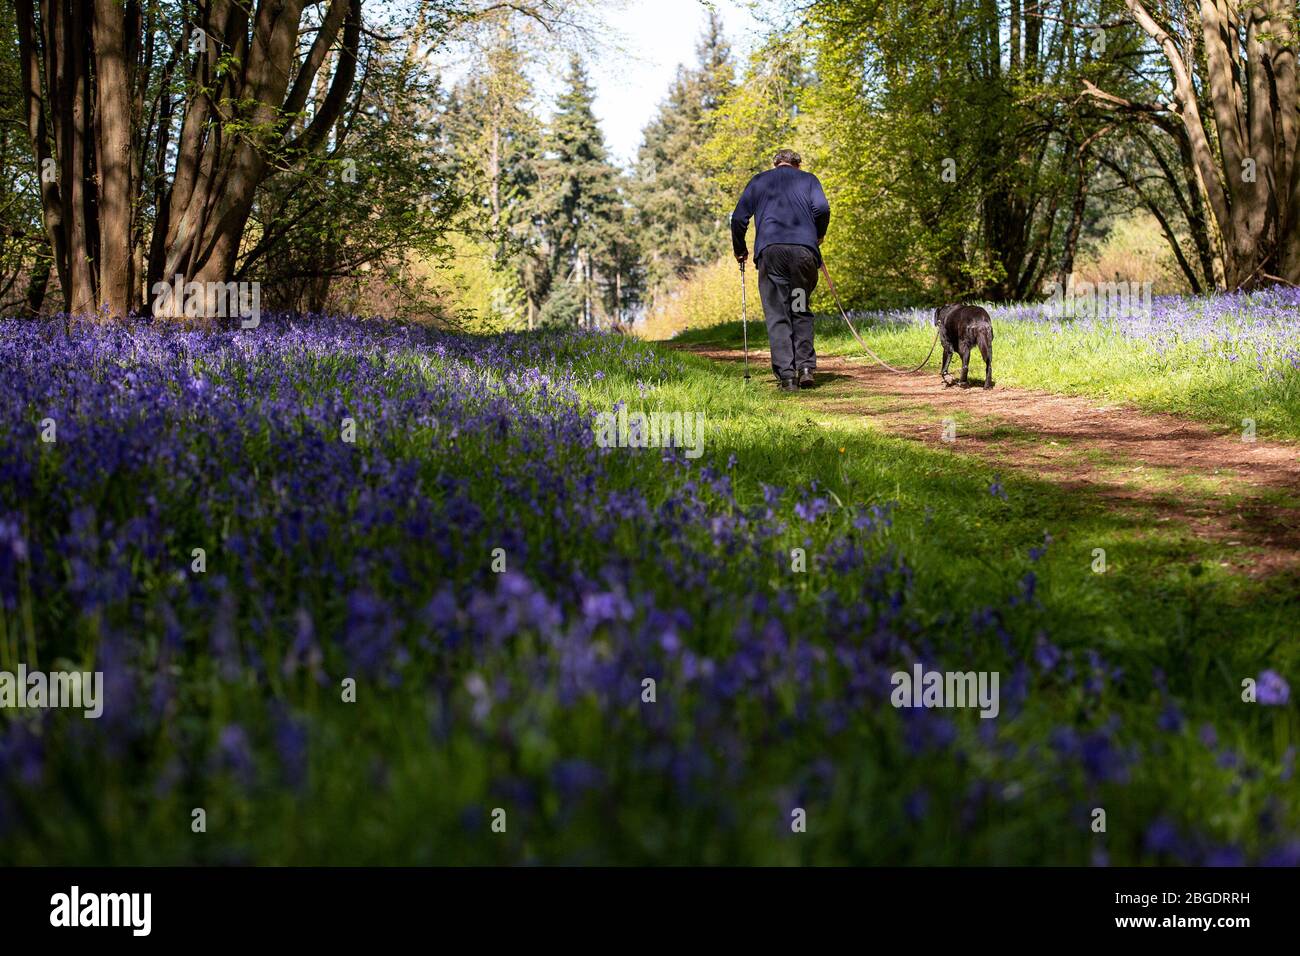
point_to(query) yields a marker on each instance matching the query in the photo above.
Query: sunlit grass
(1220, 366)
(966, 563)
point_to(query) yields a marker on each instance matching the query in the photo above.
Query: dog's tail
(984, 339)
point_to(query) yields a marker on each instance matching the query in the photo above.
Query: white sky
(657, 36)
(640, 44)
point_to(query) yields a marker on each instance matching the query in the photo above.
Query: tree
(579, 209)
(947, 133)
(377, 194)
(24, 263)
(493, 141)
(1230, 84)
(757, 116)
(245, 78)
(154, 124)
(680, 212)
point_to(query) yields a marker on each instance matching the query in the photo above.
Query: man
(790, 215)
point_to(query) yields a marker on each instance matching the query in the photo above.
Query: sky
(639, 45)
(657, 35)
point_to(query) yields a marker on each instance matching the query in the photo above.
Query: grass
(1186, 627)
(412, 771)
(1083, 359)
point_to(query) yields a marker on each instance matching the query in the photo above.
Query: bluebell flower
(234, 753)
(1171, 719)
(1272, 689)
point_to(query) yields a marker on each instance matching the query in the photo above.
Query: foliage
(379, 197)
(24, 256)
(680, 213)
(564, 307)
(493, 142)
(579, 208)
(479, 293)
(521, 686)
(708, 296)
(758, 116)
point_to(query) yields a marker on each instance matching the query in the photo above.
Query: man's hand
(742, 257)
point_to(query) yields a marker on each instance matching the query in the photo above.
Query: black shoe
(805, 378)
(789, 385)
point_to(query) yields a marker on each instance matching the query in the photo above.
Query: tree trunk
(1074, 228)
(1015, 36)
(36, 286)
(113, 152)
(1250, 183)
(79, 67)
(78, 175)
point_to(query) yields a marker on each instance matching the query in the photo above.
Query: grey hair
(786, 156)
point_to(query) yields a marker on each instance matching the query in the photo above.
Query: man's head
(787, 157)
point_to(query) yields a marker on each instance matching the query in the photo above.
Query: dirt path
(1223, 489)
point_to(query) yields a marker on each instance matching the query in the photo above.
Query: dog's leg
(986, 350)
(964, 351)
(947, 357)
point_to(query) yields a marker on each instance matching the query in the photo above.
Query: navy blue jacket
(787, 205)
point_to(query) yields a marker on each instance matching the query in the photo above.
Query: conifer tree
(579, 211)
(680, 212)
(495, 143)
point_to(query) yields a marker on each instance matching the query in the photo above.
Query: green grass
(1078, 361)
(968, 542)
(392, 777)
(1164, 603)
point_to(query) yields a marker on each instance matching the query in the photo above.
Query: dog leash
(845, 316)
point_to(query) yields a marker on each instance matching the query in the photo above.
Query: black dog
(960, 328)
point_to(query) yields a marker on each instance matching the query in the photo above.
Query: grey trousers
(787, 275)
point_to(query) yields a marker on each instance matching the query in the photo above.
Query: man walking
(790, 215)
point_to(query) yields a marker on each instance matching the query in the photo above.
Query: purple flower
(1286, 854)
(1036, 553)
(22, 754)
(1171, 719)
(1102, 760)
(290, 736)
(573, 778)
(1225, 856)
(916, 805)
(602, 607)
(1047, 654)
(225, 643)
(1162, 837)
(234, 754)
(1272, 689)
(811, 510)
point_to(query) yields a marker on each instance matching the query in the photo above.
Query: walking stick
(744, 318)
